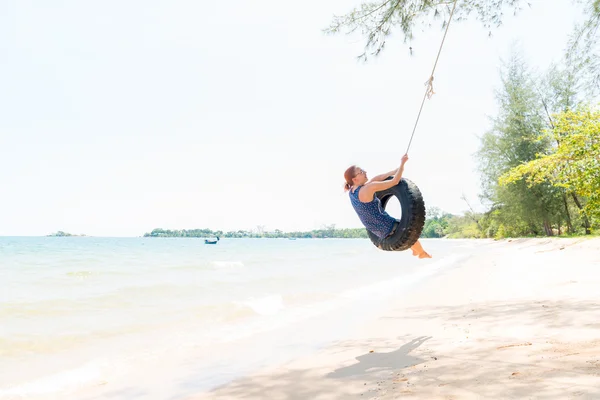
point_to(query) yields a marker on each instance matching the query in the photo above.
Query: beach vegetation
(326, 232)
(514, 139)
(574, 163)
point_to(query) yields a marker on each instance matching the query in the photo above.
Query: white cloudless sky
(118, 117)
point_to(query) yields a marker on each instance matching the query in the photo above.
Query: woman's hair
(348, 176)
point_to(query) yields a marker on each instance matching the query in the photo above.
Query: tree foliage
(436, 223)
(582, 52)
(574, 164)
(513, 140)
(377, 20)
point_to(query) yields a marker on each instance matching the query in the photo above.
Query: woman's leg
(418, 250)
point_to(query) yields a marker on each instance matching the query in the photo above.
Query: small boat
(206, 241)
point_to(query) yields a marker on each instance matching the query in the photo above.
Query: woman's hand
(368, 192)
(404, 160)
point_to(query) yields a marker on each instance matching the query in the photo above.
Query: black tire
(410, 225)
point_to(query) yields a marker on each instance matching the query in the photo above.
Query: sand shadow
(375, 362)
(480, 371)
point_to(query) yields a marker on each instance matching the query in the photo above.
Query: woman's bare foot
(417, 250)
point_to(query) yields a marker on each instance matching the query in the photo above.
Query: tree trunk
(586, 221)
(569, 224)
(548, 228)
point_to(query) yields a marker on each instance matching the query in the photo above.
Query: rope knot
(429, 91)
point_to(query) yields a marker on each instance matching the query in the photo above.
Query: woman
(368, 206)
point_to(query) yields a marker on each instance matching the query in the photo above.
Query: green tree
(432, 229)
(582, 50)
(575, 163)
(463, 227)
(436, 223)
(563, 88)
(512, 140)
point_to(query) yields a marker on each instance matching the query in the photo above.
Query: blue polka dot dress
(372, 215)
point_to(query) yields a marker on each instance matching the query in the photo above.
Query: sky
(118, 117)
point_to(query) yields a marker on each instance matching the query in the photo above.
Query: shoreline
(517, 320)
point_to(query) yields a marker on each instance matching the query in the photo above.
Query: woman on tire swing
(368, 206)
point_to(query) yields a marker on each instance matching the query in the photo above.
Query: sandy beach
(518, 321)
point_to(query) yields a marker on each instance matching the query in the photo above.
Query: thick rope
(429, 90)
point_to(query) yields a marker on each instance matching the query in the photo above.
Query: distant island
(62, 234)
(327, 232)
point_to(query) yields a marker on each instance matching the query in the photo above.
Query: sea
(163, 318)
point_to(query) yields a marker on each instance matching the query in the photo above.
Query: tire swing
(408, 228)
(410, 225)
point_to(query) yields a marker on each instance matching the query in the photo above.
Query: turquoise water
(83, 317)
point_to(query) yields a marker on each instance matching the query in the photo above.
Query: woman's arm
(368, 191)
(382, 177)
